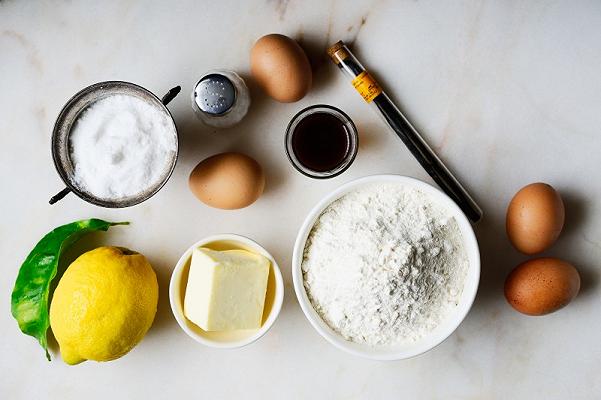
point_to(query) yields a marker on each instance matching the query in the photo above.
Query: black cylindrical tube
(373, 93)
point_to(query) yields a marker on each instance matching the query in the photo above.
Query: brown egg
(535, 217)
(281, 67)
(541, 286)
(228, 181)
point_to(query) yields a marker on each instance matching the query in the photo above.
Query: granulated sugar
(121, 146)
(384, 265)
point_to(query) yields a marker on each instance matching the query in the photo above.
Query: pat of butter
(226, 289)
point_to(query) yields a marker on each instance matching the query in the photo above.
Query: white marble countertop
(508, 93)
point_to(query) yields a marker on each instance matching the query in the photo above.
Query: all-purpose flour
(121, 146)
(384, 265)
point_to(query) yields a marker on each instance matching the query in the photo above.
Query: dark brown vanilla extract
(321, 142)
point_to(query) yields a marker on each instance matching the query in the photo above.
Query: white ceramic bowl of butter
(446, 326)
(226, 339)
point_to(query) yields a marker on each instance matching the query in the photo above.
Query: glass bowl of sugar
(115, 144)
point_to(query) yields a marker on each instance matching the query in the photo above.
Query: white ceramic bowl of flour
(448, 320)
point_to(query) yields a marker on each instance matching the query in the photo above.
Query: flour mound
(384, 265)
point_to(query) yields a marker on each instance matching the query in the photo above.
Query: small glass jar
(220, 98)
(321, 141)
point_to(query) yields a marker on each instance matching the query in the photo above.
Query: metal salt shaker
(220, 98)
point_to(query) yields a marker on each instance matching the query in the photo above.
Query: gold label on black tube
(367, 86)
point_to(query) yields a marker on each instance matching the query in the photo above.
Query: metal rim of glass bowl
(69, 115)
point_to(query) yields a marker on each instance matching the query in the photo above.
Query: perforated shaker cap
(215, 94)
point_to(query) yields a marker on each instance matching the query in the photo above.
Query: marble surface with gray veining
(507, 93)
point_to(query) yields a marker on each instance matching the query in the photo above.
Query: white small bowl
(447, 325)
(230, 339)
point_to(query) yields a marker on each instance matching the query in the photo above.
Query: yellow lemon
(103, 305)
